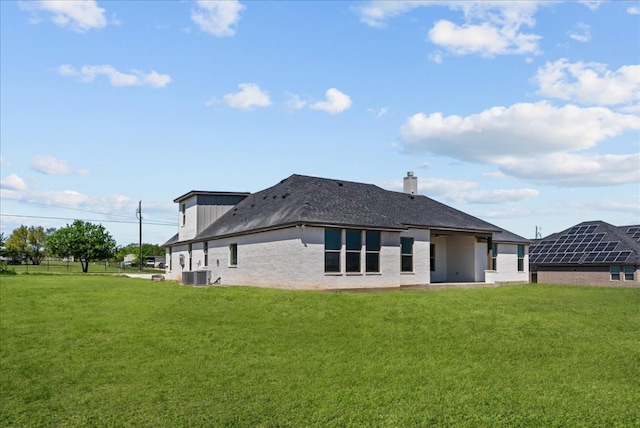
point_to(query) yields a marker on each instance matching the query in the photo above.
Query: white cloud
(485, 39)
(490, 28)
(217, 17)
(592, 4)
(495, 174)
(633, 10)
(464, 192)
(74, 15)
(13, 182)
(52, 166)
(589, 83)
(250, 95)
(376, 13)
(530, 141)
(378, 112)
(571, 170)
(336, 102)
(88, 73)
(294, 102)
(581, 32)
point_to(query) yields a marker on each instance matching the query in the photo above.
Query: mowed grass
(110, 351)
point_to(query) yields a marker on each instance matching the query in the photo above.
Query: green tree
(84, 241)
(28, 243)
(17, 244)
(133, 248)
(36, 244)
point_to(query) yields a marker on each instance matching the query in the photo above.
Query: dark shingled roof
(308, 200)
(590, 242)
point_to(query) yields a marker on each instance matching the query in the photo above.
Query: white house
(318, 233)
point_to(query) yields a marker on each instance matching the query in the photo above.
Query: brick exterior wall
(584, 275)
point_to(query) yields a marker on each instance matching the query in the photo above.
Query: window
(233, 254)
(190, 248)
(615, 273)
(354, 248)
(372, 251)
(170, 258)
(432, 257)
(494, 256)
(332, 247)
(520, 258)
(206, 253)
(183, 210)
(406, 254)
(628, 273)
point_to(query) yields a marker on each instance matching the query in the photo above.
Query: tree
(147, 250)
(28, 243)
(84, 241)
(36, 244)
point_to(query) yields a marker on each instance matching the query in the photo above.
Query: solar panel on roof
(623, 256)
(572, 231)
(611, 257)
(600, 257)
(590, 257)
(601, 246)
(598, 237)
(591, 247)
(592, 228)
(575, 258)
(611, 246)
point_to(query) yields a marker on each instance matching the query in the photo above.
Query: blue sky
(522, 113)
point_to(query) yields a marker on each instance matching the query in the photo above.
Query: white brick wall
(294, 258)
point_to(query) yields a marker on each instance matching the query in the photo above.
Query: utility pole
(139, 216)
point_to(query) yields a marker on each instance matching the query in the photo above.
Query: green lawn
(74, 267)
(85, 350)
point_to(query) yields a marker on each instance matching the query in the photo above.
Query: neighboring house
(590, 253)
(318, 233)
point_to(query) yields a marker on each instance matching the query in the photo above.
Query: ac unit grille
(198, 277)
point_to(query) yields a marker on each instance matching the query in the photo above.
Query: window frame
(404, 256)
(190, 257)
(333, 250)
(233, 254)
(205, 250)
(520, 258)
(614, 273)
(494, 256)
(372, 252)
(629, 273)
(353, 251)
(183, 210)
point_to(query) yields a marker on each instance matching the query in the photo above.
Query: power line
(72, 219)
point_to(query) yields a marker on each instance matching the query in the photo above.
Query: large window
(183, 211)
(190, 252)
(494, 256)
(170, 258)
(233, 254)
(332, 246)
(372, 251)
(406, 254)
(615, 273)
(520, 258)
(628, 273)
(206, 253)
(432, 257)
(354, 249)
